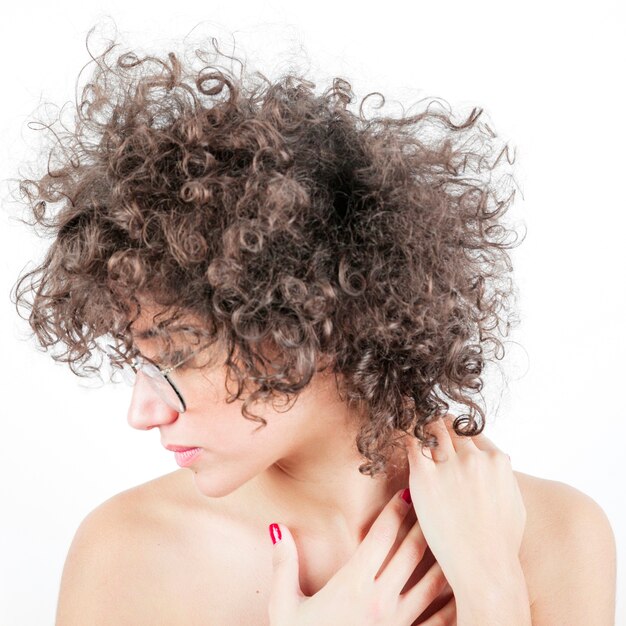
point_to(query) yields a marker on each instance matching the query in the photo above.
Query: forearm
(494, 599)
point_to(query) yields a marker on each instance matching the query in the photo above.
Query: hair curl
(277, 216)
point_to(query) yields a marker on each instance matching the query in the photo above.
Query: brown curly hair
(282, 221)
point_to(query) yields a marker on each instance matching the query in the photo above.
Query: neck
(325, 495)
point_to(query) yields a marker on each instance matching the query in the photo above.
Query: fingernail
(406, 496)
(275, 533)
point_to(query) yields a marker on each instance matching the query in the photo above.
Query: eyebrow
(150, 333)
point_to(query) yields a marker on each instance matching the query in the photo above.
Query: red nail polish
(275, 533)
(406, 496)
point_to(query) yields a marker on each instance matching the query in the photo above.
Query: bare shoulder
(552, 505)
(568, 554)
(112, 564)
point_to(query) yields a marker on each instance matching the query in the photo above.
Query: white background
(550, 77)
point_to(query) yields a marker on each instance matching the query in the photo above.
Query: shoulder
(104, 577)
(568, 554)
(562, 512)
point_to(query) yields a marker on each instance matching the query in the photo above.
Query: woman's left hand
(467, 502)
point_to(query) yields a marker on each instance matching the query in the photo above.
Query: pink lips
(179, 448)
(187, 457)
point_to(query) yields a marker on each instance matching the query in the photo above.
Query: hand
(467, 502)
(365, 591)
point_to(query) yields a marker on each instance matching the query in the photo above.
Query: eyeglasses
(158, 378)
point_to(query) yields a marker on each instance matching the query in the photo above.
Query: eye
(174, 358)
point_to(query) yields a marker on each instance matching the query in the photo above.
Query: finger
(483, 442)
(403, 563)
(420, 459)
(461, 443)
(445, 616)
(445, 449)
(285, 591)
(381, 537)
(417, 599)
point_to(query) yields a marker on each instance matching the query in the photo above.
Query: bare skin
(192, 547)
(199, 561)
(203, 547)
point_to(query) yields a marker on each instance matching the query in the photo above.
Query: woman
(344, 274)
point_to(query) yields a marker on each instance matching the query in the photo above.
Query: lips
(187, 458)
(180, 448)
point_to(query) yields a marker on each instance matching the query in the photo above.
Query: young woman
(294, 290)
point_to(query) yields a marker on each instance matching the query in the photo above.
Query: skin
(302, 466)
(301, 471)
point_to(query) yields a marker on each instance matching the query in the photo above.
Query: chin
(215, 484)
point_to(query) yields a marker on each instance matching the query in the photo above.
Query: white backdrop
(550, 77)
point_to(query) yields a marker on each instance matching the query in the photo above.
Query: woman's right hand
(355, 595)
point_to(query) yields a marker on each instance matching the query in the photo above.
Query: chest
(227, 581)
(220, 572)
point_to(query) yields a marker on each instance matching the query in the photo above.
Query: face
(234, 449)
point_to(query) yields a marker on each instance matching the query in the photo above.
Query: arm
(572, 560)
(494, 598)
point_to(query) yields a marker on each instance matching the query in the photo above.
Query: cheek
(234, 454)
(244, 437)
(226, 431)
(229, 433)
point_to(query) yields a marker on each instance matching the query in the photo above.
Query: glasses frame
(136, 365)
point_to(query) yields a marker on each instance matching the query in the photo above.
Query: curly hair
(282, 221)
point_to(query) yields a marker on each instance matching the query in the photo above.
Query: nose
(147, 409)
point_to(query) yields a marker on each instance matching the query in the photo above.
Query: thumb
(285, 592)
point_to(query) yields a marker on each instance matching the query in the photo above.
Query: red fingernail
(406, 496)
(275, 533)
